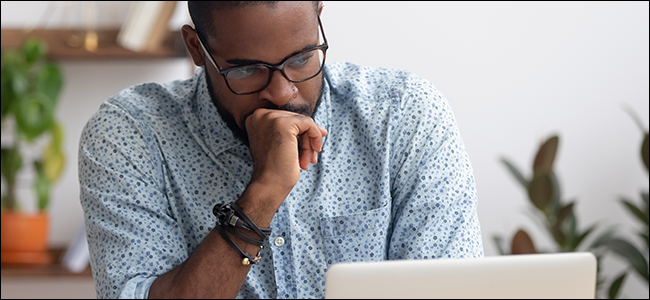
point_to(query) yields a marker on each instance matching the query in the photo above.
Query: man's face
(259, 33)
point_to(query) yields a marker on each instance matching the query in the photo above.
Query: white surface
(513, 72)
(544, 276)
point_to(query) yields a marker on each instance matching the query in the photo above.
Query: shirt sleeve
(433, 187)
(132, 236)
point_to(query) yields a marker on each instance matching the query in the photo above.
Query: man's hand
(273, 138)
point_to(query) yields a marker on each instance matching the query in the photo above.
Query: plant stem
(10, 204)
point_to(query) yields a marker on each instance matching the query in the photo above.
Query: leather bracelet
(242, 236)
(249, 221)
(226, 213)
(235, 221)
(247, 259)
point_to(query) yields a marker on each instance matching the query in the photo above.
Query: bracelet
(247, 259)
(263, 235)
(242, 236)
(226, 214)
(230, 216)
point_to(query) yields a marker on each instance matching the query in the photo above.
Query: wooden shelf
(49, 270)
(173, 46)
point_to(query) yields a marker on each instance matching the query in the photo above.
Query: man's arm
(276, 169)
(214, 260)
(133, 234)
(433, 186)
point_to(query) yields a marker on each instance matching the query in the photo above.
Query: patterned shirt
(393, 182)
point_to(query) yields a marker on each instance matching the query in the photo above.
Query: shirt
(393, 181)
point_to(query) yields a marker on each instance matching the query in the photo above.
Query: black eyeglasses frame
(272, 68)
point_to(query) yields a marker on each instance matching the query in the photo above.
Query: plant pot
(25, 238)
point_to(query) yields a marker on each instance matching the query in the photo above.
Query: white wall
(513, 72)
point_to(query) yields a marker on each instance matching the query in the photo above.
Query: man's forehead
(253, 30)
(251, 19)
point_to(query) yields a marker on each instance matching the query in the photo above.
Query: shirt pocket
(356, 237)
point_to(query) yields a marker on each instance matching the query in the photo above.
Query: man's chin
(241, 133)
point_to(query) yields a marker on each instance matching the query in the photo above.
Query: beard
(240, 133)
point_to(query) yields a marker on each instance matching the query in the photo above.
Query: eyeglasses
(250, 79)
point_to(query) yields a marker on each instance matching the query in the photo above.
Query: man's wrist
(260, 202)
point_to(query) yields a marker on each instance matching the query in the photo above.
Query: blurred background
(514, 73)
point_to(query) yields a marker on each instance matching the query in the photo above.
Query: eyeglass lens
(300, 67)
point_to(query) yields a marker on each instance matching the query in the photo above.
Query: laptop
(553, 275)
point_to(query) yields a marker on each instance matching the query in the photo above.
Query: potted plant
(30, 88)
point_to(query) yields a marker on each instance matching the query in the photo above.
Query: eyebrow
(238, 62)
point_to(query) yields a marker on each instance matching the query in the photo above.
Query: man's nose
(280, 90)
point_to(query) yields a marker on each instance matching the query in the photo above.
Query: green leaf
(558, 236)
(515, 172)
(12, 58)
(34, 49)
(579, 240)
(19, 83)
(632, 254)
(41, 186)
(522, 244)
(616, 285)
(555, 205)
(603, 238)
(564, 212)
(635, 211)
(644, 151)
(57, 135)
(498, 241)
(11, 163)
(546, 156)
(644, 237)
(53, 162)
(540, 190)
(49, 81)
(569, 229)
(34, 114)
(8, 95)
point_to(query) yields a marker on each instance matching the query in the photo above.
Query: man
(320, 163)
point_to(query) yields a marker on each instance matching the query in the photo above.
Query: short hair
(201, 12)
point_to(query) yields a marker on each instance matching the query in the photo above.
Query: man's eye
(244, 72)
(301, 59)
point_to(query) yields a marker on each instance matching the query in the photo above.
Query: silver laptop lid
(557, 275)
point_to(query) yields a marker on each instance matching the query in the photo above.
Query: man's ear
(320, 7)
(192, 44)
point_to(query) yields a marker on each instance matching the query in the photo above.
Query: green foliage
(30, 90)
(556, 214)
(616, 285)
(560, 222)
(636, 258)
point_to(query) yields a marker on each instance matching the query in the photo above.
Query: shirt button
(279, 241)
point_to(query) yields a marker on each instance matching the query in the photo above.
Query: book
(146, 25)
(125, 36)
(161, 27)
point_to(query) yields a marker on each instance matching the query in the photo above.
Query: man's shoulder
(350, 81)
(153, 98)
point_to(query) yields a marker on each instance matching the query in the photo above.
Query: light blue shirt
(393, 182)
